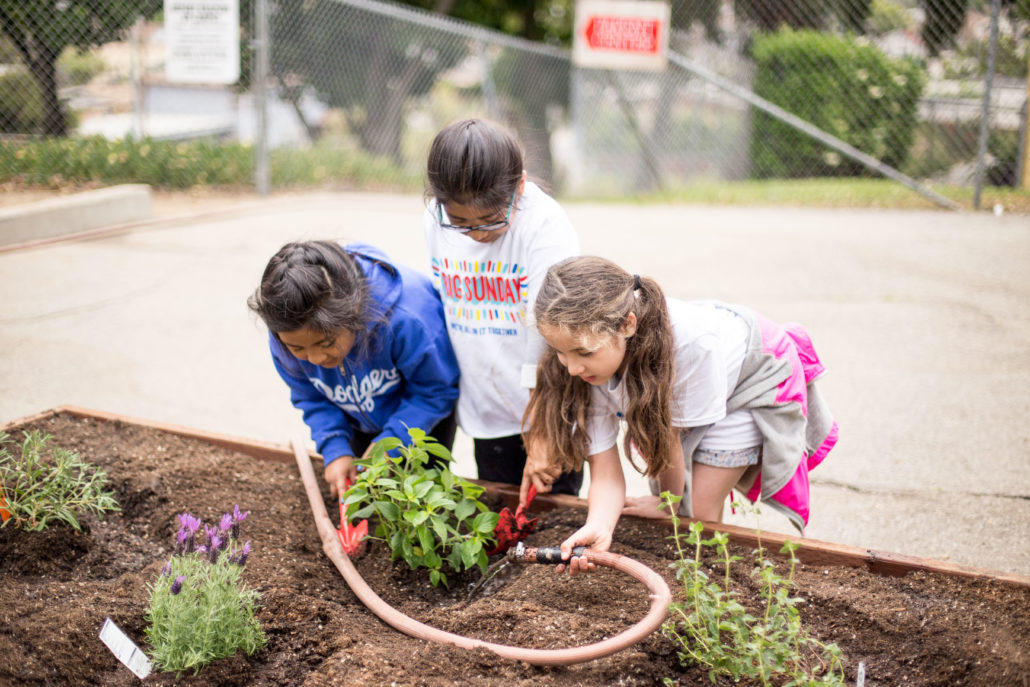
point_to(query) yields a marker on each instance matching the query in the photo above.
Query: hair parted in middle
(589, 297)
(474, 162)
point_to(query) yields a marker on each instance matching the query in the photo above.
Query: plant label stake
(513, 528)
(351, 536)
(124, 649)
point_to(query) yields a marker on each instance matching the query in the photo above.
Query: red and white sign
(621, 34)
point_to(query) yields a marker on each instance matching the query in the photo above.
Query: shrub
(199, 609)
(42, 484)
(712, 628)
(841, 85)
(21, 104)
(187, 164)
(427, 515)
(76, 67)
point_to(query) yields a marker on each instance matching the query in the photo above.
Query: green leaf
(464, 509)
(485, 522)
(388, 510)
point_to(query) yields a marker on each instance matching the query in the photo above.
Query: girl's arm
(670, 480)
(604, 506)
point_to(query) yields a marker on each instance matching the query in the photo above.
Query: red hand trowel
(514, 527)
(351, 536)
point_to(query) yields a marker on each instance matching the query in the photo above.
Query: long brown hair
(589, 297)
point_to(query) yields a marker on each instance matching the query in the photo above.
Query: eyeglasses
(491, 226)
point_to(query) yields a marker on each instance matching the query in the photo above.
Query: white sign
(202, 41)
(124, 649)
(621, 34)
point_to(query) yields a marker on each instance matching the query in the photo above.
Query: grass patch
(829, 193)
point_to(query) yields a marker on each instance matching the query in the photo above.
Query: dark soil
(58, 586)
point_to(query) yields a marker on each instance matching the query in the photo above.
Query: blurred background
(929, 95)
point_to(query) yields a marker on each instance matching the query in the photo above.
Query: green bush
(842, 85)
(42, 484)
(185, 164)
(426, 515)
(21, 104)
(76, 67)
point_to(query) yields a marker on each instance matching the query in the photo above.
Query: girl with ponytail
(713, 397)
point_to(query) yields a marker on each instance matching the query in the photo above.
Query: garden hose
(659, 592)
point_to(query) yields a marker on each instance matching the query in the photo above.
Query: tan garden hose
(660, 595)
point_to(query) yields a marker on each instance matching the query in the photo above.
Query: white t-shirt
(710, 344)
(488, 290)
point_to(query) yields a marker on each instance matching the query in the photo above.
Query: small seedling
(200, 611)
(712, 628)
(426, 515)
(42, 484)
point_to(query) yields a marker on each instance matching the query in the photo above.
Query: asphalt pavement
(921, 317)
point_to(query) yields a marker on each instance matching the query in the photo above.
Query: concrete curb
(74, 213)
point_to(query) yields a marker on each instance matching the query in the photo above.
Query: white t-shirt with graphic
(710, 344)
(488, 290)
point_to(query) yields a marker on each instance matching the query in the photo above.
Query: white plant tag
(124, 649)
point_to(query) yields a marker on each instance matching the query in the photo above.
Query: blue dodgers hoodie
(407, 375)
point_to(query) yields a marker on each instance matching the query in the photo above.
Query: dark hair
(474, 162)
(591, 297)
(314, 285)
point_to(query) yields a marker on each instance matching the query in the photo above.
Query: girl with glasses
(360, 342)
(713, 397)
(491, 235)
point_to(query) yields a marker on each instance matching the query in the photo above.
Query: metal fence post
(259, 82)
(985, 115)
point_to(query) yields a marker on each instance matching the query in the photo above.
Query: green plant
(427, 515)
(41, 488)
(199, 609)
(21, 104)
(852, 90)
(713, 628)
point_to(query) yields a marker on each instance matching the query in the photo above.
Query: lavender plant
(200, 611)
(43, 484)
(712, 628)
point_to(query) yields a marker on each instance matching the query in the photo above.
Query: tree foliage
(42, 29)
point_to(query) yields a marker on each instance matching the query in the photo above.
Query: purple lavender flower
(167, 569)
(177, 584)
(188, 526)
(237, 518)
(240, 558)
(188, 522)
(217, 544)
(226, 523)
(183, 542)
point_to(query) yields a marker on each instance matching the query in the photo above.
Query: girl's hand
(590, 536)
(338, 472)
(538, 472)
(645, 507)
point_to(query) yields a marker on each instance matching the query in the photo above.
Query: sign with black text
(202, 41)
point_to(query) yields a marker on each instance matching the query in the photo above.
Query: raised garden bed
(909, 621)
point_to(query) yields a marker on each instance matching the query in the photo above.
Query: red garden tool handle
(530, 495)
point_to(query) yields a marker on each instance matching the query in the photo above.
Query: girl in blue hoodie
(362, 345)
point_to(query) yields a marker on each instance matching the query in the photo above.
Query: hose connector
(521, 553)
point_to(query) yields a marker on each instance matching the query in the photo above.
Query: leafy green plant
(712, 628)
(43, 484)
(427, 515)
(200, 611)
(854, 92)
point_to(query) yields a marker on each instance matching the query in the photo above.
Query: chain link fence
(351, 92)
